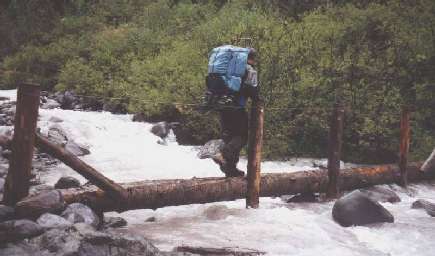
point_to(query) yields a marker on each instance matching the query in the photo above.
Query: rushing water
(126, 151)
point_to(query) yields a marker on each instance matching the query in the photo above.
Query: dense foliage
(375, 55)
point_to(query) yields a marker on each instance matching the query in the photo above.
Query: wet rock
(83, 240)
(162, 129)
(211, 149)
(6, 154)
(303, 198)
(57, 135)
(114, 222)
(50, 104)
(381, 194)
(67, 182)
(357, 209)
(6, 213)
(21, 248)
(49, 221)
(55, 119)
(80, 213)
(67, 99)
(115, 108)
(2, 185)
(429, 164)
(41, 188)
(75, 149)
(139, 117)
(35, 206)
(14, 230)
(429, 207)
(2, 98)
(3, 171)
(151, 219)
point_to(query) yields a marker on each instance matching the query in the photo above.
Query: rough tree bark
(161, 193)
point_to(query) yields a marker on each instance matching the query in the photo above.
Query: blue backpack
(229, 62)
(226, 68)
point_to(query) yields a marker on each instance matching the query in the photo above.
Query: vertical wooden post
(20, 163)
(334, 149)
(254, 155)
(405, 131)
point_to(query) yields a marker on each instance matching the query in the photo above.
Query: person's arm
(251, 88)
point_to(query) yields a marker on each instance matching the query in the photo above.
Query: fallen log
(205, 251)
(161, 193)
(113, 190)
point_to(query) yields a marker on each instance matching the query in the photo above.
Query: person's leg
(235, 139)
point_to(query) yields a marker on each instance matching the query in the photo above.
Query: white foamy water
(126, 151)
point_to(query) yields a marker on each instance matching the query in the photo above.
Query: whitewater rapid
(127, 151)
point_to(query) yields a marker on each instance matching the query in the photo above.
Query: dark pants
(234, 128)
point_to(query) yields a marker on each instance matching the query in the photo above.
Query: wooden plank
(334, 150)
(20, 165)
(254, 156)
(405, 131)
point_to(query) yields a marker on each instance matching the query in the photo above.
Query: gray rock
(35, 206)
(75, 149)
(38, 189)
(57, 135)
(6, 153)
(162, 129)
(139, 117)
(83, 240)
(303, 198)
(211, 149)
(50, 104)
(15, 230)
(357, 209)
(429, 164)
(21, 248)
(6, 213)
(114, 222)
(49, 221)
(80, 213)
(2, 185)
(55, 119)
(67, 99)
(381, 194)
(67, 182)
(429, 207)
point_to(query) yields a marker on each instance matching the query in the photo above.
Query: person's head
(252, 55)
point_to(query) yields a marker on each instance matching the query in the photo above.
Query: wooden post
(254, 155)
(20, 165)
(334, 150)
(405, 131)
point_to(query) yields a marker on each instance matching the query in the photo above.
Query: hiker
(233, 116)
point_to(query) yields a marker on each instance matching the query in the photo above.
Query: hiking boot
(234, 173)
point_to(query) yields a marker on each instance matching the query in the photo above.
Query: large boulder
(67, 182)
(80, 213)
(49, 221)
(357, 209)
(429, 165)
(381, 194)
(35, 206)
(14, 230)
(6, 213)
(67, 99)
(76, 149)
(429, 207)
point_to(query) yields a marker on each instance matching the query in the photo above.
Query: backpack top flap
(229, 60)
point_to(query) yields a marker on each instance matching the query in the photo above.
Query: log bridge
(106, 195)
